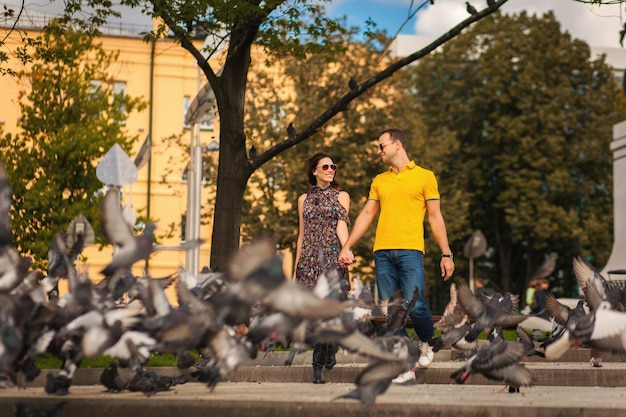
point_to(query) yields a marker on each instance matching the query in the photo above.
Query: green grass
(52, 362)
(167, 359)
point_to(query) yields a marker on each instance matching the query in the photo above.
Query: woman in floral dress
(323, 225)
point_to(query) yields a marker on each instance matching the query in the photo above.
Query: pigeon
(57, 263)
(622, 33)
(133, 349)
(258, 277)
(353, 84)
(453, 314)
(498, 312)
(396, 310)
(498, 361)
(112, 380)
(471, 9)
(563, 314)
(150, 382)
(362, 315)
(253, 152)
(57, 385)
(546, 268)
(291, 131)
(491, 3)
(527, 341)
(11, 268)
(455, 338)
(5, 207)
(587, 276)
(603, 329)
(130, 248)
(376, 378)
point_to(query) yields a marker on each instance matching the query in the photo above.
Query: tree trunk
(234, 169)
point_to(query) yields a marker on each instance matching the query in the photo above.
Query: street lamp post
(200, 110)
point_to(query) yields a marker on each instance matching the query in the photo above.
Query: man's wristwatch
(447, 255)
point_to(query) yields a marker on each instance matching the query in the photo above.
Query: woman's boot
(331, 359)
(319, 359)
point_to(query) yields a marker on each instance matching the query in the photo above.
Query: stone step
(571, 372)
(345, 357)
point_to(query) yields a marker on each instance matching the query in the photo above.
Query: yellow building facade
(171, 73)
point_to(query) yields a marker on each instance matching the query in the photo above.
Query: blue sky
(599, 26)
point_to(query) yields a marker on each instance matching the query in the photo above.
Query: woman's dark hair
(312, 164)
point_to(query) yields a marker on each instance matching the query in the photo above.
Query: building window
(119, 90)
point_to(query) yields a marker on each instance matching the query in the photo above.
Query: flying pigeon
(453, 314)
(376, 378)
(498, 312)
(396, 310)
(498, 361)
(130, 248)
(5, 208)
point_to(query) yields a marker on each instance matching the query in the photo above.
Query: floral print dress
(321, 212)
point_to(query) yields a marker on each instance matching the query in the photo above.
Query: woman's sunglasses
(326, 166)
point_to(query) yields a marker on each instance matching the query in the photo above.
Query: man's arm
(438, 228)
(361, 224)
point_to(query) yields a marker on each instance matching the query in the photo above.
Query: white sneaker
(426, 355)
(405, 378)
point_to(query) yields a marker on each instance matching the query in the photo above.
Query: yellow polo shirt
(402, 197)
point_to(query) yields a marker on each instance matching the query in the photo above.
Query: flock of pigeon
(223, 318)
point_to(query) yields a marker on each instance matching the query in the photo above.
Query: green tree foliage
(69, 119)
(532, 114)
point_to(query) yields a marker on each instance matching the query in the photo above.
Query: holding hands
(346, 257)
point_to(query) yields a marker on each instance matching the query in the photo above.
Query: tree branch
(343, 102)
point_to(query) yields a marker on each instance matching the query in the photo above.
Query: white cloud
(597, 25)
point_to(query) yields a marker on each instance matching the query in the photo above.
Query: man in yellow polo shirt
(404, 195)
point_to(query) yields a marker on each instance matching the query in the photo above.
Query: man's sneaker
(405, 378)
(426, 355)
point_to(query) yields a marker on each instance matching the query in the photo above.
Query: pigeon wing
(114, 227)
(559, 312)
(472, 305)
(5, 207)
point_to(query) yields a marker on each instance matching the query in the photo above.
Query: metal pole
(471, 274)
(194, 184)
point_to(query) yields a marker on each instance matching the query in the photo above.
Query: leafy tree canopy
(531, 112)
(70, 118)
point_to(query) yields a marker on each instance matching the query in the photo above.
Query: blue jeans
(401, 268)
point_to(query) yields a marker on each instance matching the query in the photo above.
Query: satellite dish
(116, 168)
(476, 245)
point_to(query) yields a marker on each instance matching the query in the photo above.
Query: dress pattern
(321, 211)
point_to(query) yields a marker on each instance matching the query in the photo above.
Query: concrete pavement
(249, 399)
(265, 387)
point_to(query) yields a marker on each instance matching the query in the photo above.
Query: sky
(599, 26)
